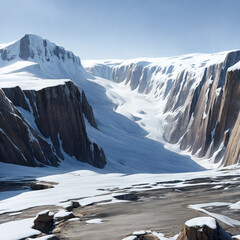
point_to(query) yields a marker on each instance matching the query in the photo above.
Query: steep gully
(202, 102)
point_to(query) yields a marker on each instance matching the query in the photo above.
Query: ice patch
(95, 221)
(62, 213)
(236, 66)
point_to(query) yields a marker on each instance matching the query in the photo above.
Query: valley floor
(163, 202)
(164, 211)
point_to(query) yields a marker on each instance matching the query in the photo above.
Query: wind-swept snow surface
(95, 221)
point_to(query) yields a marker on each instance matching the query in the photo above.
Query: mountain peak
(34, 48)
(32, 36)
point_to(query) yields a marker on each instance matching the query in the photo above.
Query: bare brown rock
(203, 233)
(44, 221)
(230, 105)
(73, 205)
(210, 112)
(40, 186)
(232, 155)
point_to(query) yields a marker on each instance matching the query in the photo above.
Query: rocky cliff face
(232, 155)
(200, 94)
(19, 143)
(204, 124)
(52, 117)
(50, 125)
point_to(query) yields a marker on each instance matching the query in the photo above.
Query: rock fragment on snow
(40, 186)
(72, 205)
(44, 221)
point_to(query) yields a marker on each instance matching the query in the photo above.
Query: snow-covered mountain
(43, 117)
(53, 60)
(143, 121)
(41, 69)
(135, 107)
(197, 97)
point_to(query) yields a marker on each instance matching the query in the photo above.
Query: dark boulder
(72, 205)
(127, 197)
(44, 221)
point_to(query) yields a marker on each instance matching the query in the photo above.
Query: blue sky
(100, 29)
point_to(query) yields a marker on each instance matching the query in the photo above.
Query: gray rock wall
(19, 143)
(210, 112)
(58, 113)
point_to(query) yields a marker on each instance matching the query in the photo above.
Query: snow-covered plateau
(93, 131)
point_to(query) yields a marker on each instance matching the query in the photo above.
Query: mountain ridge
(191, 88)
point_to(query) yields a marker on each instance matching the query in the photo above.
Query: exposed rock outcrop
(72, 205)
(201, 228)
(227, 118)
(232, 155)
(19, 143)
(44, 221)
(56, 115)
(203, 231)
(209, 112)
